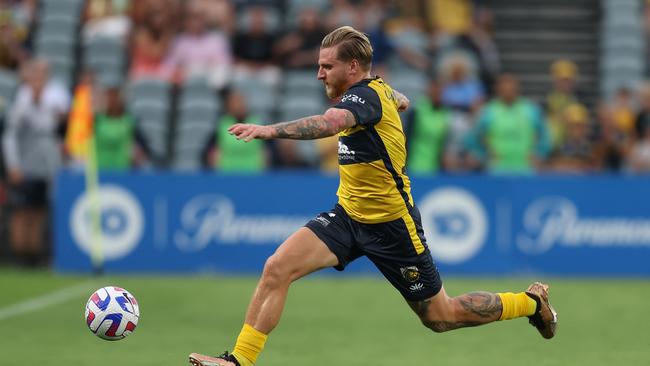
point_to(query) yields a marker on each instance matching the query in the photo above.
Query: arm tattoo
(315, 127)
(399, 97)
(306, 128)
(482, 304)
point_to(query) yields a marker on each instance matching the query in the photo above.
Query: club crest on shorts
(411, 273)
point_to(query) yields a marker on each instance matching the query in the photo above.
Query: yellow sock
(249, 345)
(516, 305)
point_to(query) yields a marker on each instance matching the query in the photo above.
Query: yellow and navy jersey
(372, 155)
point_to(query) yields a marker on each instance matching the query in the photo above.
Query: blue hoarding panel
(474, 224)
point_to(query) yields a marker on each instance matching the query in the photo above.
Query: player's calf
(442, 313)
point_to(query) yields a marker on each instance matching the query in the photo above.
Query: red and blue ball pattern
(112, 313)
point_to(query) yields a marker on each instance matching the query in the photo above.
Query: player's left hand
(247, 132)
(403, 104)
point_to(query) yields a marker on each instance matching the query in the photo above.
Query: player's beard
(335, 86)
(329, 91)
(332, 91)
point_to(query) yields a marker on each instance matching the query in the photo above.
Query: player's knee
(438, 326)
(275, 272)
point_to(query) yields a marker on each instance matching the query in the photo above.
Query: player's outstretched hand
(247, 132)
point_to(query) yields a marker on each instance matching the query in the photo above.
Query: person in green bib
(118, 143)
(427, 131)
(510, 136)
(228, 155)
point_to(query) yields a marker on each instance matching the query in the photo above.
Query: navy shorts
(398, 249)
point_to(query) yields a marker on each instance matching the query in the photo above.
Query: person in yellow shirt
(375, 215)
(564, 74)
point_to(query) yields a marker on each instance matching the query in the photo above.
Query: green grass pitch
(327, 321)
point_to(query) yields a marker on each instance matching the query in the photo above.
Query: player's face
(332, 72)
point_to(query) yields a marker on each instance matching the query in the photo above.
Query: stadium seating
(198, 113)
(149, 101)
(622, 46)
(106, 57)
(261, 97)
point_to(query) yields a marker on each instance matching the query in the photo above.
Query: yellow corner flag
(80, 123)
(80, 145)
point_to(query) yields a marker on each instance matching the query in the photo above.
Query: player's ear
(354, 66)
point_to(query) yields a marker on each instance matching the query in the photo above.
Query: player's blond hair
(352, 45)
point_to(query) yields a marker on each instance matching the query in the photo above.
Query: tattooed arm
(402, 101)
(314, 127)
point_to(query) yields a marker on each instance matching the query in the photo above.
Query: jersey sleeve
(364, 104)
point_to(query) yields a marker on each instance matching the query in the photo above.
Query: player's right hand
(247, 132)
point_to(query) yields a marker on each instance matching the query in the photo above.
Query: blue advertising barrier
(166, 222)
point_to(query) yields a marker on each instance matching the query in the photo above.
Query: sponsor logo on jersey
(353, 98)
(323, 221)
(345, 153)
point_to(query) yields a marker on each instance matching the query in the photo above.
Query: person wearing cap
(576, 152)
(564, 74)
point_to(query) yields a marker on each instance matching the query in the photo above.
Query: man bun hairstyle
(352, 45)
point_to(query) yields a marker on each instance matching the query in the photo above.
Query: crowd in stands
(158, 82)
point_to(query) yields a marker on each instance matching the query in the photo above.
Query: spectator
(139, 9)
(461, 91)
(481, 42)
(450, 17)
(33, 154)
(341, 13)
(384, 47)
(510, 135)
(119, 145)
(219, 14)
(227, 154)
(639, 158)
(623, 114)
(106, 18)
(299, 48)
(613, 142)
(198, 51)
(23, 14)
(151, 41)
(14, 35)
(642, 122)
(373, 13)
(427, 130)
(563, 93)
(576, 153)
(253, 50)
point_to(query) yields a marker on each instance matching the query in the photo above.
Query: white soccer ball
(112, 313)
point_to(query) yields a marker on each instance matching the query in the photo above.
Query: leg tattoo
(471, 309)
(482, 304)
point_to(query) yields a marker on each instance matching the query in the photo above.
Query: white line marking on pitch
(43, 301)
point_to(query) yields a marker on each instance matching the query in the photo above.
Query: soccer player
(375, 215)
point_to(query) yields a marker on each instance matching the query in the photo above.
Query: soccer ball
(112, 313)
